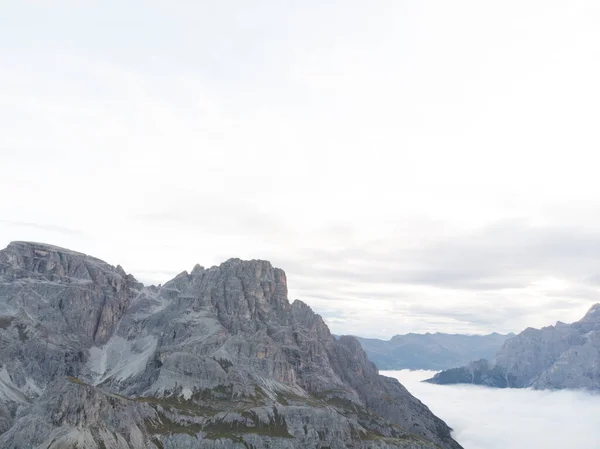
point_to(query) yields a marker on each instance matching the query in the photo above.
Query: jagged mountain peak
(22, 259)
(215, 356)
(197, 270)
(592, 315)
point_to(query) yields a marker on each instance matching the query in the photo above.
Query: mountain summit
(215, 358)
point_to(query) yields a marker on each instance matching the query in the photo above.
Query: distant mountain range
(431, 351)
(554, 357)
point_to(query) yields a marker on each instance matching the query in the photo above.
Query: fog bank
(487, 418)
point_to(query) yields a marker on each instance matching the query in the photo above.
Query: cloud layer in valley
(413, 166)
(486, 418)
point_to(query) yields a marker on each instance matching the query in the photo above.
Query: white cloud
(487, 418)
(295, 132)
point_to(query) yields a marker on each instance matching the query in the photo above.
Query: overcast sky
(420, 165)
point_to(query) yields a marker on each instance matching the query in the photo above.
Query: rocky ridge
(429, 351)
(215, 358)
(554, 357)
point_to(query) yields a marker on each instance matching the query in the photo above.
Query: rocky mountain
(554, 357)
(431, 351)
(215, 358)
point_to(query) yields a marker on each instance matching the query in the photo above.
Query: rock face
(554, 357)
(431, 351)
(215, 358)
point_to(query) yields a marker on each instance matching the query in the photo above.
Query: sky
(488, 418)
(413, 166)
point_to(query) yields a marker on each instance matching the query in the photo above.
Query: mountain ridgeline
(431, 351)
(215, 358)
(554, 357)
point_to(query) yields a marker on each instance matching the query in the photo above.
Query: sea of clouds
(488, 418)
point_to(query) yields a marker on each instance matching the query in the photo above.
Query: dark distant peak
(498, 334)
(439, 335)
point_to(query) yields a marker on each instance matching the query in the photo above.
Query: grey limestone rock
(215, 358)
